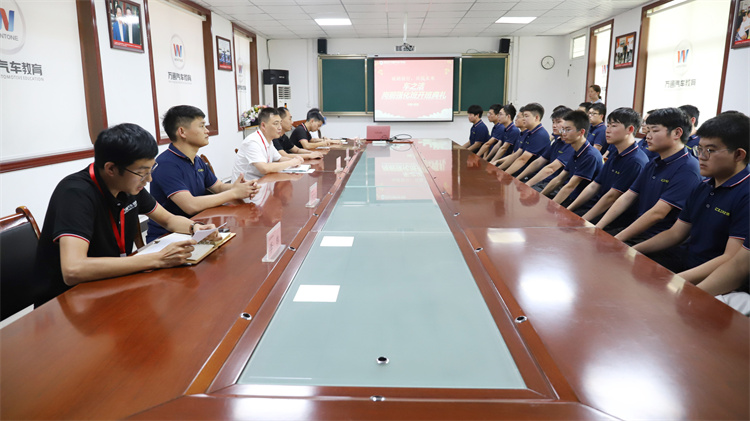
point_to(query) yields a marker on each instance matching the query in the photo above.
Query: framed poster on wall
(124, 18)
(625, 50)
(741, 26)
(224, 53)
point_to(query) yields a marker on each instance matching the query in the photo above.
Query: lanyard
(119, 234)
(268, 153)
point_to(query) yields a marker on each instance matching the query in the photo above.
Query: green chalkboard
(346, 83)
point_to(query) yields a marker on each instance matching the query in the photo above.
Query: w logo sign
(177, 50)
(682, 56)
(8, 17)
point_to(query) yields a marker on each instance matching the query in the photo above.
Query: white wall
(737, 85)
(127, 84)
(622, 81)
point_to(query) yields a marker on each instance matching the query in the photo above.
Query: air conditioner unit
(277, 95)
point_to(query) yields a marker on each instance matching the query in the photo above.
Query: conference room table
(424, 284)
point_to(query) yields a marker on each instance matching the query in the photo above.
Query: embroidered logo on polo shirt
(664, 180)
(131, 206)
(200, 169)
(722, 211)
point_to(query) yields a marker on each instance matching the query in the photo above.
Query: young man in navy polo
(498, 128)
(548, 166)
(510, 134)
(693, 113)
(596, 136)
(92, 218)
(625, 163)
(583, 166)
(665, 182)
(479, 133)
(533, 145)
(182, 182)
(716, 218)
(729, 282)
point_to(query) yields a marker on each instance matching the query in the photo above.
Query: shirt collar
(597, 126)
(510, 126)
(627, 150)
(536, 129)
(583, 148)
(733, 180)
(172, 148)
(670, 159)
(476, 124)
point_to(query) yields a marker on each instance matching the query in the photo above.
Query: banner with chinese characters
(179, 67)
(242, 71)
(684, 61)
(41, 80)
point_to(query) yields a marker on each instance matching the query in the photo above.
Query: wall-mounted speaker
(275, 77)
(322, 46)
(504, 46)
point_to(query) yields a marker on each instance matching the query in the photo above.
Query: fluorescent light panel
(333, 22)
(512, 19)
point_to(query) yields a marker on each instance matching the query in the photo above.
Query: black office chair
(19, 236)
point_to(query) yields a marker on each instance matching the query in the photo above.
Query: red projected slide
(414, 89)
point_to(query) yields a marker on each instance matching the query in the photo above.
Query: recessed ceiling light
(333, 22)
(509, 19)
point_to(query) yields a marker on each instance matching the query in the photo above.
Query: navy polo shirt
(597, 135)
(299, 132)
(692, 142)
(586, 163)
(174, 174)
(521, 138)
(511, 134)
(558, 151)
(479, 133)
(537, 141)
(670, 180)
(497, 131)
(644, 147)
(283, 143)
(716, 214)
(620, 170)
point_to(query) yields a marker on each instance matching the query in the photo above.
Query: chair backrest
(208, 163)
(19, 236)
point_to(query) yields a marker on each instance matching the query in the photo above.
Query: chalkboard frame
(321, 95)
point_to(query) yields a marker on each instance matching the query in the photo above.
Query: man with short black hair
(182, 182)
(479, 133)
(301, 136)
(693, 113)
(284, 144)
(498, 128)
(534, 144)
(510, 135)
(92, 219)
(257, 156)
(596, 136)
(665, 182)
(555, 159)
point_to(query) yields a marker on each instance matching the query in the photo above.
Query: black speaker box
(322, 46)
(275, 77)
(504, 46)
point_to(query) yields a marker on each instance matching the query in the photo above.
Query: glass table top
(383, 298)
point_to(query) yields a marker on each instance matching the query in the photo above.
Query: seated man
(665, 182)
(498, 128)
(510, 135)
(479, 133)
(533, 145)
(284, 145)
(301, 136)
(625, 163)
(256, 156)
(585, 164)
(715, 220)
(584, 106)
(554, 160)
(512, 147)
(729, 282)
(92, 218)
(693, 113)
(643, 144)
(182, 182)
(596, 136)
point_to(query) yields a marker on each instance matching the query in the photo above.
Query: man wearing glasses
(92, 217)
(597, 132)
(716, 216)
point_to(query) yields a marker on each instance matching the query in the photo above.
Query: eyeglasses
(593, 113)
(144, 175)
(567, 130)
(700, 152)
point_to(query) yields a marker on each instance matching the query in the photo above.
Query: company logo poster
(179, 69)
(41, 80)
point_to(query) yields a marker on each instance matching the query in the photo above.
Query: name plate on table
(313, 196)
(338, 164)
(273, 244)
(347, 155)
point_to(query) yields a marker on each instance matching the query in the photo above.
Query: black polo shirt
(283, 143)
(77, 208)
(300, 132)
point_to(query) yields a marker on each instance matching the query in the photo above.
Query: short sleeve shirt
(716, 214)
(511, 134)
(537, 141)
(586, 164)
(620, 170)
(558, 151)
(479, 133)
(283, 143)
(597, 136)
(255, 148)
(79, 209)
(497, 131)
(299, 132)
(176, 173)
(670, 180)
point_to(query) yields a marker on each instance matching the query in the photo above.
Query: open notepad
(201, 250)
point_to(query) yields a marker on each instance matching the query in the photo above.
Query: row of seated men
(92, 219)
(679, 195)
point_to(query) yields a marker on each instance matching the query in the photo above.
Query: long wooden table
(597, 330)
